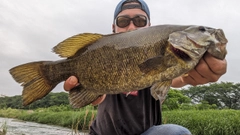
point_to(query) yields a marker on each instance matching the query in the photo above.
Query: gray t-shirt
(127, 114)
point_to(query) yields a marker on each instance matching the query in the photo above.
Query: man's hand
(72, 82)
(209, 69)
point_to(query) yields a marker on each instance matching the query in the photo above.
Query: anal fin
(80, 97)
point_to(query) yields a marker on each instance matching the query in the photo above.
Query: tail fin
(31, 77)
(80, 97)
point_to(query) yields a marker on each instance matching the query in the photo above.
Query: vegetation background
(205, 110)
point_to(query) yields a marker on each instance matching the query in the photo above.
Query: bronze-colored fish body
(123, 62)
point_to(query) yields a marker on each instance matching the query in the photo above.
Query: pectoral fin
(80, 97)
(151, 64)
(159, 90)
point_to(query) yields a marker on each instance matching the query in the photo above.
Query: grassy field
(204, 122)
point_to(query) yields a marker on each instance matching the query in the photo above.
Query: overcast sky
(30, 28)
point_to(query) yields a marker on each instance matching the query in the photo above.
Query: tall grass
(199, 122)
(206, 122)
(3, 128)
(76, 120)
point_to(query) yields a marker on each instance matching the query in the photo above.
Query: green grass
(199, 122)
(206, 122)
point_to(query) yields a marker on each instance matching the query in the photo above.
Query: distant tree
(12, 102)
(175, 99)
(52, 99)
(223, 95)
(204, 105)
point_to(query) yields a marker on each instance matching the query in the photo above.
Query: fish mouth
(181, 54)
(186, 53)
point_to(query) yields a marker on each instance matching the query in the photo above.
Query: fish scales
(123, 62)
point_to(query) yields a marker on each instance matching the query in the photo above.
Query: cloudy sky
(30, 28)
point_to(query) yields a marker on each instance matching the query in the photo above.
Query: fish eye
(202, 29)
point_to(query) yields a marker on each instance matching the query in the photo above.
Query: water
(18, 127)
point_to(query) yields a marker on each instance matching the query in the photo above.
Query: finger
(70, 83)
(208, 75)
(194, 78)
(203, 69)
(217, 66)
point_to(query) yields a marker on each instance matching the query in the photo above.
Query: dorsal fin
(70, 46)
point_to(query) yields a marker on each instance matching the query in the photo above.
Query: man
(138, 112)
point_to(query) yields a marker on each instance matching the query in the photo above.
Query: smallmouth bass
(121, 62)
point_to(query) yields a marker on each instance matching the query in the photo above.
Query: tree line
(52, 99)
(224, 95)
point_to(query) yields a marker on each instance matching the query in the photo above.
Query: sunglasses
(124, 21)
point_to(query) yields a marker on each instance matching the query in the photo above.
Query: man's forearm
(178, 82)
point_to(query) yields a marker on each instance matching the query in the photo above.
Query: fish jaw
(219, 50)
(196, 40)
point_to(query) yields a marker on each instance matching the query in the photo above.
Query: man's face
(131, 13)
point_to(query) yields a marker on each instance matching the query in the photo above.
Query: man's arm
(209, 69)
